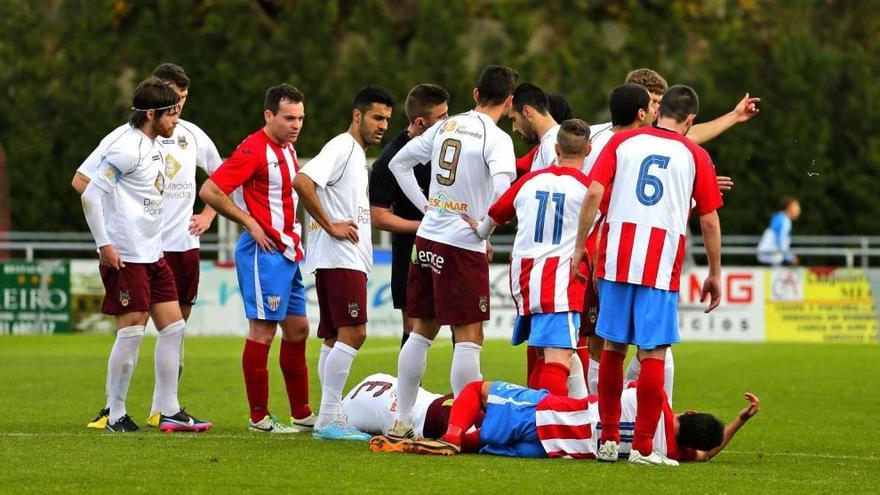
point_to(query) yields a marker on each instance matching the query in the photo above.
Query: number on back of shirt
(450, 153)
(649, 188)
(558, 200)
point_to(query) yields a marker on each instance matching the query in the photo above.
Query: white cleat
(269, 424)
(306, 424)
(655, 459)
(608, 451)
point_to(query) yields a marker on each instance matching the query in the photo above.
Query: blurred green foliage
(67, 68)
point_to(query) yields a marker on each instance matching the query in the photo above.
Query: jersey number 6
(450, 152)
(650, 196)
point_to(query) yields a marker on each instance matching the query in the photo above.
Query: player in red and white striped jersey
(655, 173)
(548, 297)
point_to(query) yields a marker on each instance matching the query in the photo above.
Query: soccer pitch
(816, 432)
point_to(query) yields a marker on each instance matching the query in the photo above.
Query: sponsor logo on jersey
(124, 298)
(354, 309)
(172, 166)
(156, 157)
(160, 183)
(274, 302)
(428, 259)
(445, 203)
(484, 304)
(167, 141)
(181, 141)
(450, 126)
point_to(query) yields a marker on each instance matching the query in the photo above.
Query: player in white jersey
(532, 120)
(472, 164)
(186, 150)
(333, 188)
(137, 281)
(549, 299)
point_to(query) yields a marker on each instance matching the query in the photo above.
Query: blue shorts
(271, 285)
(509, 427)
(559, 330)
(637, 314)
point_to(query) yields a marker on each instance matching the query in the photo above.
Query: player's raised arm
(744, 110)
(730, 430)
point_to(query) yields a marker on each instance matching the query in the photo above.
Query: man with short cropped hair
(334, 190)
(531, 118)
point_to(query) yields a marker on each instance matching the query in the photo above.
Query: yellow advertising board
(819, 305)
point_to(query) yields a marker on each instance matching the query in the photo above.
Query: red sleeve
(503, 210)
(606, 165)
(706, 192)
(237, 169)
(524, 163)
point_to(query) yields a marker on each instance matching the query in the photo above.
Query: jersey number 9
(450, 152)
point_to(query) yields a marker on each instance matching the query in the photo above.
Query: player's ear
(476, 95)
(558, 151)
(588, 150)
(267, 115)
(356, 115)
(150, 114)
(690, 119)
(642, 114)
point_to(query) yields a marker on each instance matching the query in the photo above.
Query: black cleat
(124, 425)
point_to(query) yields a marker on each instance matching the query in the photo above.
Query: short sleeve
(382, 183)
(105, 176)
(706, 192)
(419, 148)
(504, 209)
(124, 158)
(500, 157)
(524, 163)
(207, 156)
(237, 169)
(606, 164)
(323, 168)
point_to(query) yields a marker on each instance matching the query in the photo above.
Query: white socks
(577, 386)
(465, 366)
(154, 408)
(337, 365)
(593, 377)
(322, 358)
(168, 367)
(410, 368)
(635, 367)
(120, 366)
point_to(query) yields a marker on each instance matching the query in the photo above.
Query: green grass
(817, 431)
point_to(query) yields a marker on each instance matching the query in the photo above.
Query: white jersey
(133, 169)
(341, 175)
(599, 136)
(187, 149)
(465, 151)
(371, 405)
(546, 155)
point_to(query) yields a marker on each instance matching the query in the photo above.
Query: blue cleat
(340, 430)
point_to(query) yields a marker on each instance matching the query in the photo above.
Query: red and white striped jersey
(653, 173)
(567, 427)
(547, 204)
(265, 172)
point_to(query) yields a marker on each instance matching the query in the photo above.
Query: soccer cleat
(385, 443)
(304, 424)
(608, 451)
(401, 430)
(431, 447)
(340, 430)
(153, 420)
(655, 459)
(269, 424)
(100, 421)
(182, 421)
(123, 425)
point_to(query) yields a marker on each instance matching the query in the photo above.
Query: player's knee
(262, 331)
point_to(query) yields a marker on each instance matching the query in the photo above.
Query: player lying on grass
(523, 422)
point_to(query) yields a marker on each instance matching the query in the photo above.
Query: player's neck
(670, 124)
(273, 137)
(494, 112)
(413, 130)
(352, 129)
(577, 163)
(148, 131)
(543, 124)
(635, 125)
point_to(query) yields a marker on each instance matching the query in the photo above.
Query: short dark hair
(679, 102)
(283, 91)
(573, 136)
(173, 74)
(496, 83)
(368, 95)
(531, 95)
(560, 110)
(151, 94)
(422, 98)
(786, 201)
(649, 79)
(625, 102)
(699, 431)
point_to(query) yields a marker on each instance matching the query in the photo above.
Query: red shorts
(342, 299)
(447, 283)
(136, 287)
(185, 267)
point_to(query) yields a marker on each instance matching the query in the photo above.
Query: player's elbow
(208, 192)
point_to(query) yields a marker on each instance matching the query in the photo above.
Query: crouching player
(523, 422)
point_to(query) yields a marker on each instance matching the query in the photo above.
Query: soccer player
(472, 164)
(390, 209)
(655, 172)
(549, 298)
(268, 256)
(334, 190)
(188, 148)
(560, 110)
(138, 284)
(523, 422)
(532, 121)
(774, 249)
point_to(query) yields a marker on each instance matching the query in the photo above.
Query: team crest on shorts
(354, 309)
(484, 304)
(593, 315)
(124, 298)
(274, 302)
(181, 141)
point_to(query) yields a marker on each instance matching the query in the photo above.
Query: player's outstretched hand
(724, 183)
(199, 223)
(746, 108)
(109, 257)
(259, 236)
(347, 229)
(753, 407)
(470, 221)
(711, 288)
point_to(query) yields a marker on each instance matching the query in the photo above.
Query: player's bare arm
(79, 182)
(588, 213)
(213, 196)
(730, 430)
(385, 219)
(308, 194)
(710, 225)
(744, 110)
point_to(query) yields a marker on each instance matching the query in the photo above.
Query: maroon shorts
(185, 267)
(447, 283)
(342, 299)
(590, 314)
(136, 287)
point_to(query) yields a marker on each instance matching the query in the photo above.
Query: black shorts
(401, 257)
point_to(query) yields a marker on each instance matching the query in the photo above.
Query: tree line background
(67, 69)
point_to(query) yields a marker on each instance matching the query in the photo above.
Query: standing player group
(601, 212)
